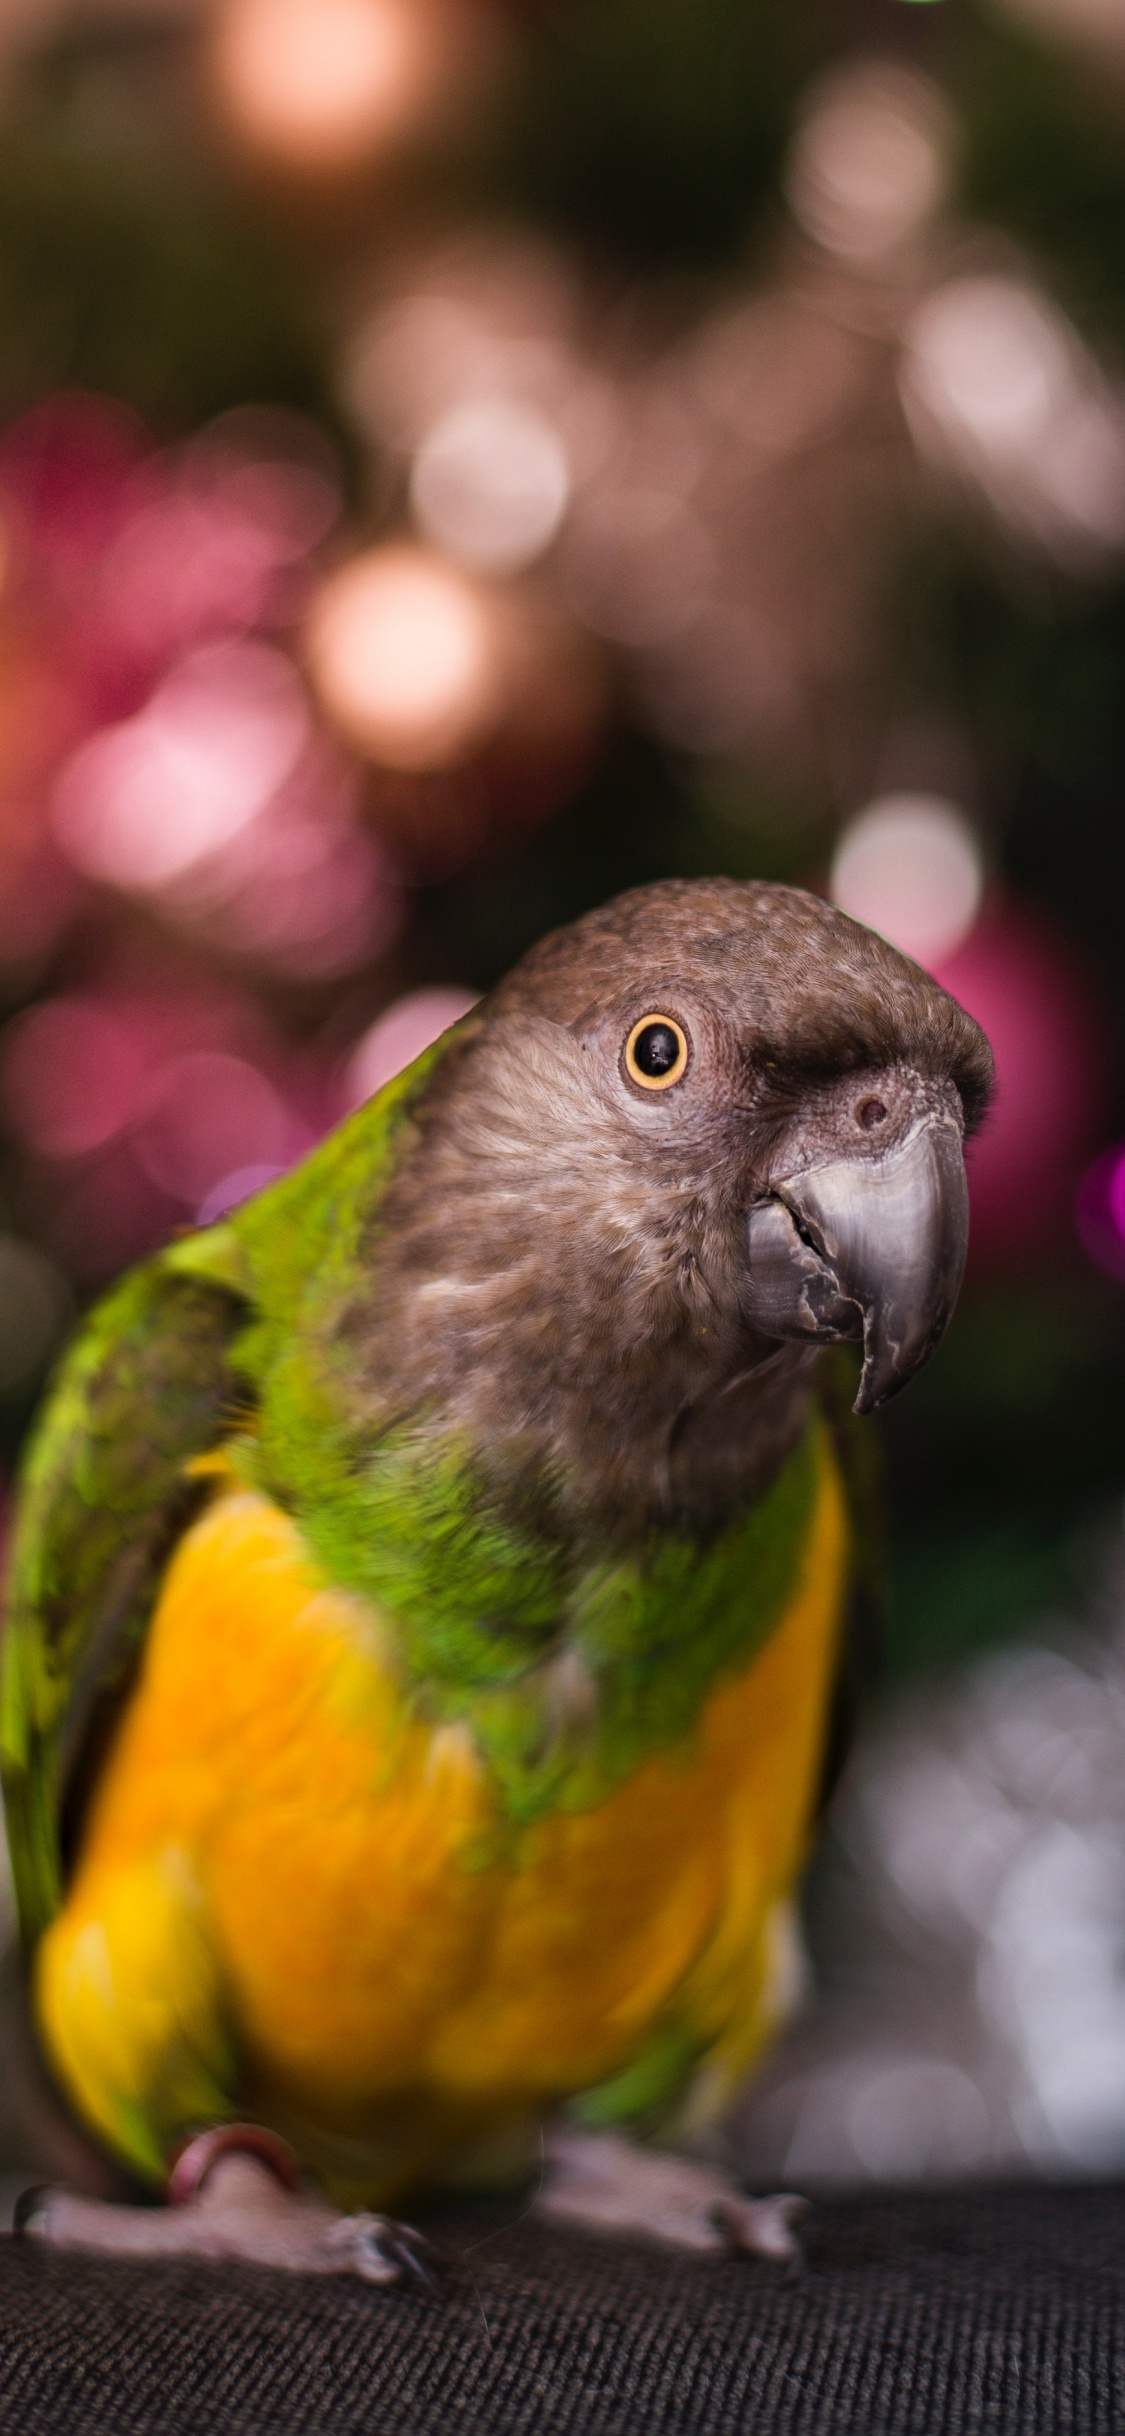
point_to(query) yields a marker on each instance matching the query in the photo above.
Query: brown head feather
(560, 1263)
(805, 985)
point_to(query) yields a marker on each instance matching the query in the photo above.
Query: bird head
(689, 1140)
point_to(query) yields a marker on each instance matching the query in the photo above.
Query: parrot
(431, 1598)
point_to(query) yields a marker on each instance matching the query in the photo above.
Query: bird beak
(867, 1249)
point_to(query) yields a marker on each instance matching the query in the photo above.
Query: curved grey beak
(867, 1249)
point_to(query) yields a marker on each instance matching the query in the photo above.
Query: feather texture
(428, 1587)
(299, 1891)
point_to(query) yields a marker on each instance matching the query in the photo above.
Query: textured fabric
(999, 2313)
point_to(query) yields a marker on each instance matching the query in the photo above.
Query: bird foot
(609, 2184)
(239, 2208)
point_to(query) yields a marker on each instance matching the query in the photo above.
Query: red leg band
(193, 2160)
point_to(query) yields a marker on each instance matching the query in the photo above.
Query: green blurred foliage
(126, 265)
(643, 814)
(1006, 1466)
(1029, 668)
(654, 129)
(1043, 157)
(631, 822)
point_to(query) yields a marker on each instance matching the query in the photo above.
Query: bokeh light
(403, 652)
(321, 84)
(868, 166)
(140, 1105)
(142, 802)
(211, 1114)
(1099, 1212)
(775, 374)
(399, 1035)
(912, 2116)
(213, 552)
(1036, 1008)
(73, 468)
(998, 386)
(640, 565)
(422, 578)
(546, 564)
(494, 313)
(308, 894)
(166, 586)
(75, 1073)
(240, 1185)
(490, 484)
(910, 867)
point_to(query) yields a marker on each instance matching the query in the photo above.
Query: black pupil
(656, 1050)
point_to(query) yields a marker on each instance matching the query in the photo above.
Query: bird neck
(576, 1326)
(566, 1669)
(566, 1528)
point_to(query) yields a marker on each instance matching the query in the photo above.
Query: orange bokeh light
(406, 657)
(324, 84)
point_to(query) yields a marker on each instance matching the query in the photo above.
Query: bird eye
(656, 1052)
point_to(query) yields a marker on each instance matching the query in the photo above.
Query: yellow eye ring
(656, 1052)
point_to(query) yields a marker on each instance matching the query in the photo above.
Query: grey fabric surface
(992, 2312)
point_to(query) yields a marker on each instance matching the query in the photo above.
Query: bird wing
(106, 1491)
(206, 1333)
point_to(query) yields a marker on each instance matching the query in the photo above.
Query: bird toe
(383, 2251)
(762, 2228)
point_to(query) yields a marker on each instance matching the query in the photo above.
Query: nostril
(871, 1113)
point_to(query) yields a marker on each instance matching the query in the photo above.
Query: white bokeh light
(868, 168)
(910, 867)
(490, 483)
(991, 357)
(997, 385)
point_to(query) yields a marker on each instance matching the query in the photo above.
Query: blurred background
(459, 458)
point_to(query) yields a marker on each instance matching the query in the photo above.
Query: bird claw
(417, 2257)
(30, 2204)
(763, 2228)
(239, 2212)
(385, 2252)
(608, 2183)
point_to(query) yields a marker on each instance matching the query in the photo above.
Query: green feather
(650, 1634)
(235, 1333)
(147, 1385)
(159, 1374)
(480, 1611)
(646, 2092)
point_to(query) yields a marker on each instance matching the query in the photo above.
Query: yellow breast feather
(294, 1893)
